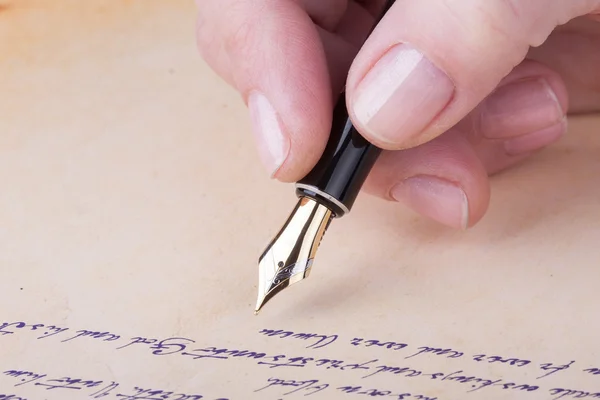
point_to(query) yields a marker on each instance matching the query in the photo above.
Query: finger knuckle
(240, 37)
(522, 22)
(224, 38)
(513, 8)
(505, 18)
(229, 29)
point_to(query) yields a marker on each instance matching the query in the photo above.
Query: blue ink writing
(497, 359)
(98, 388)
(9, 328)
(105, 336)
(361, 391)
(438, 352)
(592, 371)
(25, 376)
(170, 346)
(318, 341)
(138, 340)
(11, 397)
(306, 387)
(377, 343)
(194, 352)
(553, 368)
(560, 393)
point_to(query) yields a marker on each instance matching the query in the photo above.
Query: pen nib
(289, 257)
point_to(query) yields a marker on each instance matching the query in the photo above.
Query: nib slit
(296, 244)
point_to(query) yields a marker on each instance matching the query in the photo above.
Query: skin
(503, 75)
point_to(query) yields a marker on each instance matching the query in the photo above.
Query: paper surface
(133, 209)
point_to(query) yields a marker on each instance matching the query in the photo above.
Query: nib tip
(288, 259)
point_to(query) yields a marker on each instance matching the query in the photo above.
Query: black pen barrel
(338, 176)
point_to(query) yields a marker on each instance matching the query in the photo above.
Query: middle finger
(446, 179)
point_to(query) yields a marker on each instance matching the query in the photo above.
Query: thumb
(429, 63)
(275, 56)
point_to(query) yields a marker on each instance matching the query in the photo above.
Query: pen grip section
(343, 167)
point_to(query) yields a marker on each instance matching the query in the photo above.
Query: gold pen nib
(289, 257)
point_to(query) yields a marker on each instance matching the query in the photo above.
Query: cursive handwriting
(438, 352)
(370, 343)
(320, 340)
(105, 336)
(592, 371)
(9, 328)
(313, 386)
(94, 388)
(498, 359)
(552, 368)
(559, 393)
(364, 391)
(305, 387)
(421, 351)
(312, 360)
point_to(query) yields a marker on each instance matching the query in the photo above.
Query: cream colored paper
(133, 209)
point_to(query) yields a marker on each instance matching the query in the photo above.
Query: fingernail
(436, 198)
(535, 140)
(401, 95)
(273, 144)
(520, 108)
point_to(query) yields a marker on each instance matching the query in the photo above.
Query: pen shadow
(552, 188)
(337, 296)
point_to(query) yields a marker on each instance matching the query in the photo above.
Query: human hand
(452, 90)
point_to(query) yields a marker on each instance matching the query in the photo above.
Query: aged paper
(133, 209)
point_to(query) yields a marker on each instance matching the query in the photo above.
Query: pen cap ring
(343, 167)
(337, 208)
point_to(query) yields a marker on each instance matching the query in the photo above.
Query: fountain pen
(327, 192)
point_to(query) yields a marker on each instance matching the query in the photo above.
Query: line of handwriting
(313, 386)
(11, 397)
(317, 341)
(93, 388)
(188, 348)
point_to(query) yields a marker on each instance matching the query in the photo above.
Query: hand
(453, 90)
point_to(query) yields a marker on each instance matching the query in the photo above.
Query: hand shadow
(541, 200)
